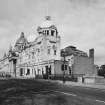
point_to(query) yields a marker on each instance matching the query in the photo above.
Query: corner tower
(47, 28)
(51, 40)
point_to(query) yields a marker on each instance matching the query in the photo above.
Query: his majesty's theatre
(43, 56)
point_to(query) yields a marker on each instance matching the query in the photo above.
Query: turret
(91, 55)
(21, 43)
(47, 28)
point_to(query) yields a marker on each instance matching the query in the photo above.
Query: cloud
(80, 22)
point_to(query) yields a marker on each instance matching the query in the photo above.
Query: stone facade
(43, 56)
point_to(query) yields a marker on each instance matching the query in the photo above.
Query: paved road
(90, 94)
(78, 95)
(23, 92)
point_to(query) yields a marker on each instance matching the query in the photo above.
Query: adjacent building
(79, 63)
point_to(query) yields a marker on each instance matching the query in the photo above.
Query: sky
(80, 23)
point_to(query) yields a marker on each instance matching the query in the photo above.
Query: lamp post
(63, 66)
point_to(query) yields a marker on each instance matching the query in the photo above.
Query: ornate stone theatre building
(44, 56)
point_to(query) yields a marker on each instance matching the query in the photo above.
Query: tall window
(48, 51)
(38, 71)
(52, 32)
(55, 52)
(21, 72)
(47, 32)
(34, 71)
(32, 55)
(65, 67)
(43, 32)
(69, 70)
(28, 71)
(38, 51)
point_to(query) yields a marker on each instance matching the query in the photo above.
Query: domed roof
(21, 39)
(47, 22)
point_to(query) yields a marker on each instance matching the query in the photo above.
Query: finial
(48, 17)
(22, 34)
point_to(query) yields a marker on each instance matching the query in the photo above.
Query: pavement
(99, 86)
(18, 91)
(70, 83)
(93, 93)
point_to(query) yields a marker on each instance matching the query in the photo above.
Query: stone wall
(94, 79)
(57, 67)
(83, 65)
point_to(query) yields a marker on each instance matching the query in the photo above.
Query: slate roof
(72, 50)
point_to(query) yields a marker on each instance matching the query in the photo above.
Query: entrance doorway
(21, 71)
(48, 71)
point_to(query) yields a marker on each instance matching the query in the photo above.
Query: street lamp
(64, 64)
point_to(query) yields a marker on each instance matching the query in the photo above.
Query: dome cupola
(21, 39)
(21, 42)
(47, 22)
(47, 27)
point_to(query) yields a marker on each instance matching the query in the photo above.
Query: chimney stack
(91, 54)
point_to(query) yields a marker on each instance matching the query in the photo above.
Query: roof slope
(72, 50)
